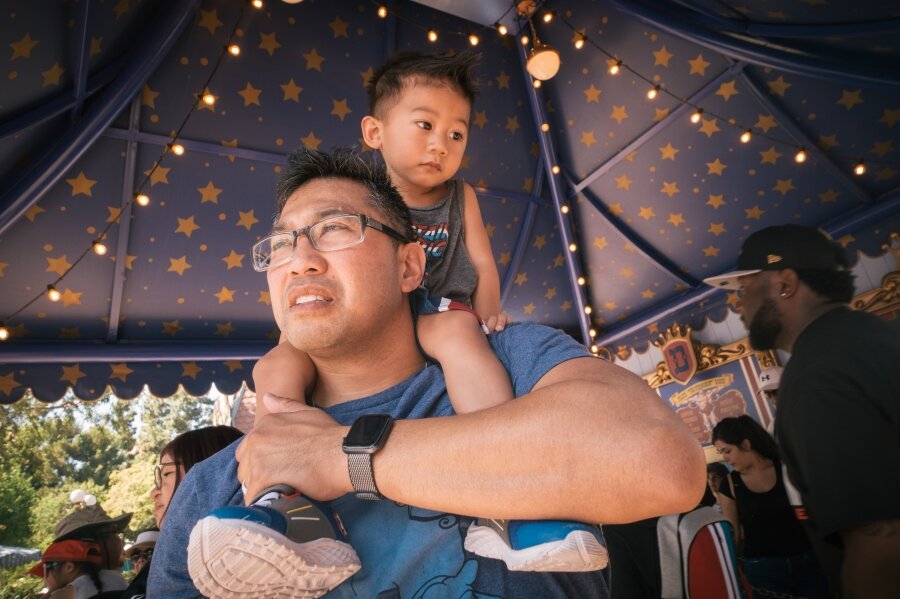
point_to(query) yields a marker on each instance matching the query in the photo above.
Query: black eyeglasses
(145, 554)
(157, 472)
(327, 235)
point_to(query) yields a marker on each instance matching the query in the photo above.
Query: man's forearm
(600, 449)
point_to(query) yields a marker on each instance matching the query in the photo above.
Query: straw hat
(89, 521)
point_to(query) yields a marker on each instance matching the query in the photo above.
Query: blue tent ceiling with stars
(645, 203)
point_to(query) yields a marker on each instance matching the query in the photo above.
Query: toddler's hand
(497, 322)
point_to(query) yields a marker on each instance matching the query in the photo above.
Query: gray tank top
(440, 230)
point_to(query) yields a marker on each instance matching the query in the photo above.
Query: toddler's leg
(475, 377)
(284, 371)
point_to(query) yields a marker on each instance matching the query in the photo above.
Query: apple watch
(367, 435)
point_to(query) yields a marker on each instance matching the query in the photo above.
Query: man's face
(326, 300)
(759, 312)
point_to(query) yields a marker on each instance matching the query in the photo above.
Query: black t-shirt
(770, 527)
(838, 420)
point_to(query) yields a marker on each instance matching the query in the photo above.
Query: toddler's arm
(486, 298)
(284, 371)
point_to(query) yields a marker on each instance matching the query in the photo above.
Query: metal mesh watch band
(361, 476)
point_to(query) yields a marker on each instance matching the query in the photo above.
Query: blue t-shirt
(406, 552)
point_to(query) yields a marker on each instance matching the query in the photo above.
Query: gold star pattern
(882, 147)
(148, 97)
(670, 189)
(311, 141)
(521, 279)
(592, 94)
(234, 260)
(268, 42)
(675, 219)
(60, 265)
(550, 294)
(616, 209)
(765, 122)
(190, 369)
(727, 89)
(233, 365)
(716, 201)
(885, 174)
(716, 229)
(338, 27)
(71, 374)
(648, 294)
(8, 382)
(481, 119)
(600, 242)
(619, 114)
(661, 113)
(158, 175)
(71, 298)
(3, 266)
(120, 371)
(698, 66)
(250, 95)
(754, 213)
(626, 272)
(826, 142)
(668, 151)
(709, 127)
(540, 241)
(265, 297)
(81, 184)
(313, 60)
(646, 212)
(186, 226)
(51, 76)
(710, 251)
(587, 138)
(512, 124)
(340, 109)
(558, 261)
(505, 258)
(849, 99)
(33, 211)
(129, 262)
(777, 87)
(225, 295)
(210, 193)
(829, 196)
(623, 182)
(529, 308)
(890, 117)
(114, 213)
(783, 186)
(502, 80)
(224, 329)
(209, 19)
(716, 167)
(23, 47)
(291, 91)
(246, 219)
(770, 156)
(366, 75)
(171, 328)
(178, 265)
(120, 8)
(661, 57)
(566, 305)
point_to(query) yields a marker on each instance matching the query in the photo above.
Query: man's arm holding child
(486, 298)
(591, 442)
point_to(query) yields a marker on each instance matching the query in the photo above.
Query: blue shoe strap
(528, 533)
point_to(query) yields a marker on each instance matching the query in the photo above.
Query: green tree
(129, 491)
(16, 497)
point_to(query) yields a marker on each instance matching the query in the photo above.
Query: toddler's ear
(371, 131)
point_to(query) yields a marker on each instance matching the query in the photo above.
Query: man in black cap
(838, 420)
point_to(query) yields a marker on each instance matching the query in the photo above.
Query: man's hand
(497, 322)
(295, 445)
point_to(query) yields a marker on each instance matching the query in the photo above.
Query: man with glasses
(585, 440)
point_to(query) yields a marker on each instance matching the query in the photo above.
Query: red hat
(68, 551)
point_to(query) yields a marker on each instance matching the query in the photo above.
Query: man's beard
(765, 326)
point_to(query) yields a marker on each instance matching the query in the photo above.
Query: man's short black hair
(305, 165)
(453, 70)
(835, 286)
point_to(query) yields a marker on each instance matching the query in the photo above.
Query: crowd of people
(389, 458)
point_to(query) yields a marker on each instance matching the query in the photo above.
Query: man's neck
(805, 316)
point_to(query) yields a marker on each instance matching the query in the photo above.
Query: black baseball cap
(780, 247)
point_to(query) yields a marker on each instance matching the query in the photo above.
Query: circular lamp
(543, 61)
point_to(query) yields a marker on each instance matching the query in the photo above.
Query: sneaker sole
(580, 551)
(238, 558)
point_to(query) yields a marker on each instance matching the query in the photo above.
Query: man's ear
(371, 131)
(785, 282)
(412, 267)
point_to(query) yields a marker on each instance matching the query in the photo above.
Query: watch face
(368, 431)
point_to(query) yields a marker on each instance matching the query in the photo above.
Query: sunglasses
(141, 555)
(157, 472)
(51, 566)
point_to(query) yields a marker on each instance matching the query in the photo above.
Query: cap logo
(773, 258)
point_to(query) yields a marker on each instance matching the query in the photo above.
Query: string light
(595, 349)
(432, 35)
(588, 309)
(592, 333)
(257, 3)
(53, 293)
(99, 248)
(698, 114)
(653, 92)
(234, 50)
(615, 67)
(800, 156)
(382, 12)
(564, 209)
(502, 29)
(572, 247)
(548, 16)
(473, 39)
(4, 332)
(579, 43)
(545, 127)
(208, 99)
(177, 149)
(524, 40)
(536, 83)
(745, 136)
(860, 168)
(142, 199)
(555, 171)
(582, 280)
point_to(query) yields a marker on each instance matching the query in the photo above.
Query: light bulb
(548, 16)
(177, 149)
(4, 332)
(257, 3)
(592, 333)
(502, 29)
(564, 209)
(432, 35)
(545, 127)
(572, 247)
(90, 500)
(234, 49)
(588, 309)
(653, 92)
(800, 156)
(555, 169)
(473, 39)
(582, 280)
(543, 62)
(745, 136)
(53, 294)
(615, 68)
(99, 248)
(695, 118)
(382, 11)
(208, 99)
(536, 83)
(524, 39)
(76, 496)
(595, 349)
(142, 199)
(860, 168)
